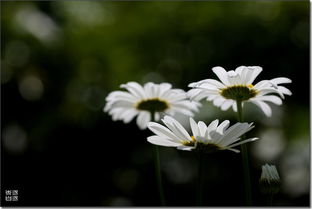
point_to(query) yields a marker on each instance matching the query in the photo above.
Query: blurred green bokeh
(60, 59)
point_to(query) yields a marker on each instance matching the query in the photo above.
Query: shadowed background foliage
(59, 60)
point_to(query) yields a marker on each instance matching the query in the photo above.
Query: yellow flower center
(239, 92)
(153, 105)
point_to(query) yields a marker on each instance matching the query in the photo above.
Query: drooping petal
(242, 142)
(280, 80)
(284, 90)
(143, 119)
(219, 101)
(129, 115)
(264, 107)
(227, 104)
(269, 98)
(157, 140)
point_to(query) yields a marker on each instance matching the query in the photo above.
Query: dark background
(59, 60)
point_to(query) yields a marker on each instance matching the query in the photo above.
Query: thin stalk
(200, 182)
(158, 170)
(245, 160)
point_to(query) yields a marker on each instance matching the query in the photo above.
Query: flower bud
(270, 180)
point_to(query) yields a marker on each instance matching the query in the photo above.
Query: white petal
(202, 128)
(164, 87)
(269, 90)
(280, 80)
(194, 127)
(120, 103)
(148, 89)
(239, 70)
(161, 141)
(245, 75)
(199, 94)
(211, 129)
(116, 112)
(135, 89)
(208, 84)
(256, 70)
(234, 132)
(264, 107)
(242, 142)
(162, 131)
(143, 119)
(269, 98)
(262, 84)
(176, 128)
(218, 101)
(222, 74)
(213, 125)
(227, 104)
(129, 115)
(224, 125)
(234, 78)
(284, 90)
(120, 95)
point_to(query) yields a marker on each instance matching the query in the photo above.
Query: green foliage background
(60, 59)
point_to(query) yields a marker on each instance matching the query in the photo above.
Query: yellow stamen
(250, 86)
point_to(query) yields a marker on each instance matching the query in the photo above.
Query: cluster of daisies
(153, 103)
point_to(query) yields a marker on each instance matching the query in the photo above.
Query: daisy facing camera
(148, 102)
(237, 87)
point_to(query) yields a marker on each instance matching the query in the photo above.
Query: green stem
(158, 176)
(245, 160)
(200, 182)
(158, 169)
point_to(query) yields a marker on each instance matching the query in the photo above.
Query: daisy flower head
(148, 102)
(269, 180)
(237, 86)
(204, 138)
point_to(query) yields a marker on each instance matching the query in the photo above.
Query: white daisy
(141, 101)
(237, 86)
(207, 139)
